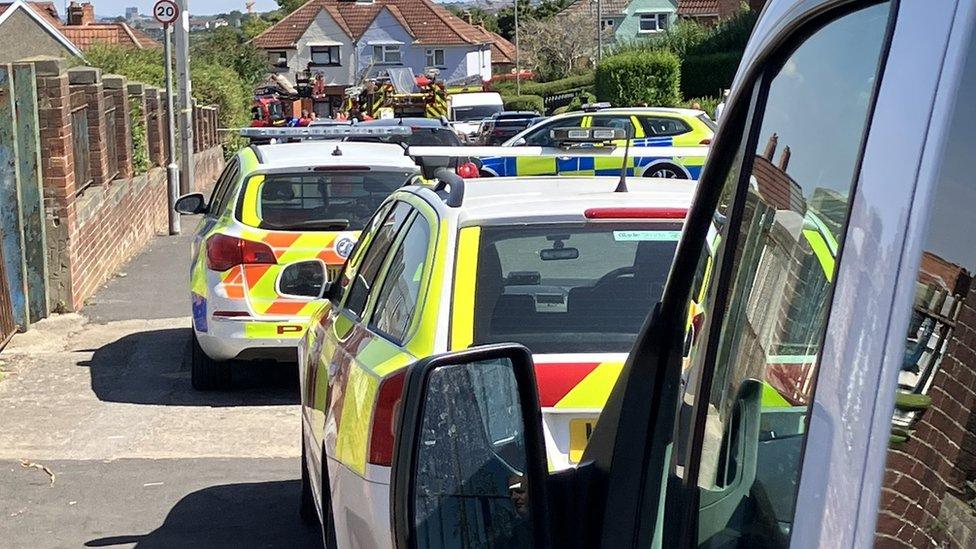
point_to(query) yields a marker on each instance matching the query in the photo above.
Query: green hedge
(140, 140)
(706, 75)
(523, 103)
(558, 86)
(628, 79)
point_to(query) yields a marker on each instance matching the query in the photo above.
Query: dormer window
(387, 54)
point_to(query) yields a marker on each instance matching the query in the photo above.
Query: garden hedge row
(707, 75)
(523, 103)
(633, 78)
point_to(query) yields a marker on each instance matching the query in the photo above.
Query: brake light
(224, 252)
(705, 142)
(636, 213)
(468, 170)
(381, 439)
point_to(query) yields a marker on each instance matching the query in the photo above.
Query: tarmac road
(103, 401)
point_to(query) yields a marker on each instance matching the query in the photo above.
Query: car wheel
(307, 506)
(207, 374)
(667, 171)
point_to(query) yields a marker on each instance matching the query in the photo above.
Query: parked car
(505, 125)
(567, 268)
(849, 119)
(668, 143)
(425, 131)
(280, 219)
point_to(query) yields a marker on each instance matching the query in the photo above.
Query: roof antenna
(622, 183)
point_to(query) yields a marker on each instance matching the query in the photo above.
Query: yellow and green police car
(565, 266)
(281, 217)
(666, 142)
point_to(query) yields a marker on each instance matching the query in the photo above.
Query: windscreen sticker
(646, 236)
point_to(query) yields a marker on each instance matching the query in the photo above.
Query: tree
(506, 18)
(558, 46)
(226, 47)
(476, 16)
(288, 6)
(253, 25)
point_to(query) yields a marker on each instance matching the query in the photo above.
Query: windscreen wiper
(310, 225)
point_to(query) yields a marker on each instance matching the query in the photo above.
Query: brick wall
(932, 468)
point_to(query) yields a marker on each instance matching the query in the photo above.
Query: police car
(280, 219)
(668, 142)
(566, 266)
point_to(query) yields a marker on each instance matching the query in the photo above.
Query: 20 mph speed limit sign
(166, 11)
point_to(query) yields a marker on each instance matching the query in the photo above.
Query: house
(84, 31)
(624, 20)
(29, 29)
(345, 41)
(502, 54)
(713, 11)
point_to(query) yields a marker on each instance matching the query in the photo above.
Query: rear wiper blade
(311, 224)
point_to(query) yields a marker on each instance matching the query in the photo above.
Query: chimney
(771, 147)
(784, 159)
(81, 14)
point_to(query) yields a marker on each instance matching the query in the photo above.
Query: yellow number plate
(579, 434)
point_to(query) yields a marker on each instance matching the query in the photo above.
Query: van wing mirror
(469, 465)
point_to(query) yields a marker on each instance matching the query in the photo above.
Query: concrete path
(103, 400)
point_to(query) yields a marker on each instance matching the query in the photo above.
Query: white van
(467, 110)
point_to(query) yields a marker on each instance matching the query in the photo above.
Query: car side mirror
(191, 204)
(520, 142)
(469, 464)
(304, 279)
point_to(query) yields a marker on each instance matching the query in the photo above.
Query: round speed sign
(166, 11)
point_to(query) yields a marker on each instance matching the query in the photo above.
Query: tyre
(207, 374)
(307, 506)
(667, 171)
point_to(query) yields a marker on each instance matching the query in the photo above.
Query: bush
(140, 141)
(706, 104)
(652, 77)
(728, 36)
(704, 75)
(523, 103)
(558, 86)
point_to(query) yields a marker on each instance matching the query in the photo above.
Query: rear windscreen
(340, 200)
(570, 288)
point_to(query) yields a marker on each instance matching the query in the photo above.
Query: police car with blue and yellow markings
(667, 142)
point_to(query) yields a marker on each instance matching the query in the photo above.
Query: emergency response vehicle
(280, 219)
(667, 142)
(566, 266)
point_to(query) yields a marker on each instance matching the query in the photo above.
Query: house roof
(609, 8)
(697, 8)
(502, 51)
(46, 16)
(427, 22)
(108, 33)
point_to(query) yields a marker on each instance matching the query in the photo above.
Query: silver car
(809, 376)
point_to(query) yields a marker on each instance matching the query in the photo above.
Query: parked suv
(851, 120)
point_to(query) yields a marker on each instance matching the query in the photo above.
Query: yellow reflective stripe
(820, 249)
(586, 122)
(771, 397)
(535, 165)
(466, 272)
(249, 213)
(595, 388)
(638, 128)
(307, 246)
(274, 330)
(357, 408)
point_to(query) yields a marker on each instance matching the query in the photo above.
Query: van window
(928, 488)
(780, 228)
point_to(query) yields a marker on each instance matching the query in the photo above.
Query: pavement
(102, 401)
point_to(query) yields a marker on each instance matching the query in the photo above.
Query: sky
(111, 8)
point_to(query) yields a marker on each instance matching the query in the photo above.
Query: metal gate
(7, 325)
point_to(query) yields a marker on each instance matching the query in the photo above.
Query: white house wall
(324, 30)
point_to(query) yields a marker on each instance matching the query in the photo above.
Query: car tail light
(468, 170)
(224, 252)
(705, 142)
(381, 437)
(636, 213)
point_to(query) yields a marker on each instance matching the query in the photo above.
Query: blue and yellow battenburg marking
(640, 159)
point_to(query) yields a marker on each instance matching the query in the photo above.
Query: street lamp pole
(172, 170)
(182, 36)
(518, 68)
(599, 30)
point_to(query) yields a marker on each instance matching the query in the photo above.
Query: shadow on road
(261, 514)
(153, 367)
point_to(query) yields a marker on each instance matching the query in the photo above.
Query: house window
(435, 58)
(387, 54)
(325, 55)
(278, 59)
(653, 22)
(606, 24)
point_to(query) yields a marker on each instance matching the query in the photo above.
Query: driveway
(102, 402)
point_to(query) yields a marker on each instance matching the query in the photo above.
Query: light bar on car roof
(587, 135)
(311, 132)
(417, 151)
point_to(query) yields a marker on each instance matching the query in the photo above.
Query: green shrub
(628, 79)
(730, 35)
(558, 86)
(523, 103)
(706, 104)
(704, 75)
(140, 141)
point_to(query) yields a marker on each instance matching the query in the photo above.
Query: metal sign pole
(182, 43)
(172, 170)
(518, 69)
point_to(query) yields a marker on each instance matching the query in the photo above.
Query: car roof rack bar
(312, 132)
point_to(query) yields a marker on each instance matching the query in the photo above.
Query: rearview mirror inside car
(469, 466)
(306, 279)
(191, 204)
